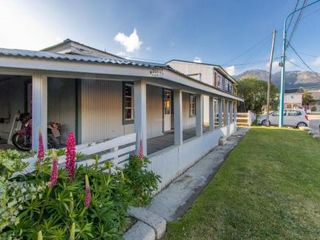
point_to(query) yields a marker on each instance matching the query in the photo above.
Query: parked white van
(293, 118)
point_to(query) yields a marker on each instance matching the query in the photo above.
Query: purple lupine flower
(54, 170)
(140, 151)
(40, 148)
(87, 199)
(71, 156)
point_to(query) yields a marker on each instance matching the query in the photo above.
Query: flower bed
(70, 203)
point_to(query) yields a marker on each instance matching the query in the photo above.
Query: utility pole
(283, 61)
(270, 74)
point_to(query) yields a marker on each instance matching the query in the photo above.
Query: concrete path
(173, 201)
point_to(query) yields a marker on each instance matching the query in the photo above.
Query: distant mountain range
(294, 79)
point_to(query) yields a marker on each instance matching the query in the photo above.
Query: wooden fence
(116, 150)
(245, 119)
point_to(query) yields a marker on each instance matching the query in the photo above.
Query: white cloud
(131, 42)
(275, 66)
(316, 62)
(231, 70)
(290, 65)
(197, 60)
(148, 48)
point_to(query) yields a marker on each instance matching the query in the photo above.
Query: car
(291, 117)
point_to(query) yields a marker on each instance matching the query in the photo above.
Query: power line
(264, 39)
(309, 55)
(291, 18)
(251, 63)
(310, 13)
(301, 59)
(297, 21)
(297, 65)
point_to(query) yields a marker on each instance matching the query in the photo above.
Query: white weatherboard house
(171, 108)
(293, 98)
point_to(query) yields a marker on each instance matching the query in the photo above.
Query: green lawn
(268, 188)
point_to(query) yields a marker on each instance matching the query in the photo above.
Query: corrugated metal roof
(77, 58)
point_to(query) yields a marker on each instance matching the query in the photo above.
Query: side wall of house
(192, 69)
(101, 111)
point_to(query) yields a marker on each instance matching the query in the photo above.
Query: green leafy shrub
(141, 181)
(14, 194)
(10, 162)
(35, 208)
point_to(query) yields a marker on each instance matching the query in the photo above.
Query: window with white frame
(192, 105)
(128, 106)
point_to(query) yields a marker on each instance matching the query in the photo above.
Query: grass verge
(268, 188)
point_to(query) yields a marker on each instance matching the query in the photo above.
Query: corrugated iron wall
(101, 111)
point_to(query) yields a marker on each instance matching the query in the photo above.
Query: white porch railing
(116, 150)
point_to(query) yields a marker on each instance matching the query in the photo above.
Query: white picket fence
(116, 150)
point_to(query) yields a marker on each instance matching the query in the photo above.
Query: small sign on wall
(156, 72)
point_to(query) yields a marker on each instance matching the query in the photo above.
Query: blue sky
(218, 32)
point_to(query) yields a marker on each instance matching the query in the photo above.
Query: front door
(167, 110)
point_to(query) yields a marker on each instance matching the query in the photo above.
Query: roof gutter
(94, 69)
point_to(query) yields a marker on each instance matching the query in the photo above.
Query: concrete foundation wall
(173, 161)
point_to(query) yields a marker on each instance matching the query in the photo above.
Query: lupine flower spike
(87, 200)
(54, 170)
(40, 148)
(71, 155)
(140, 151)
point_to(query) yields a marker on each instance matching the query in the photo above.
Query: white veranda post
(140, 113)
(211, 113)
(39, 109)
(199, 115)
(178, 121)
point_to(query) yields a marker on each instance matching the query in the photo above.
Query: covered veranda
(181, 145)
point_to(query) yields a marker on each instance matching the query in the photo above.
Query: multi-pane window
(192, 105)
(223, 83)
(226, 85)
(128, 110)
(229, 87)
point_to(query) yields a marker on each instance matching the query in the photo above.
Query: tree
(307, 99)
(254, 93)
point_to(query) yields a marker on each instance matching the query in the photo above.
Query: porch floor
(158, 143)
